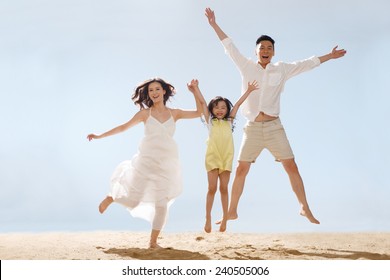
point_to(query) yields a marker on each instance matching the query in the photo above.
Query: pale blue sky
(68, 68)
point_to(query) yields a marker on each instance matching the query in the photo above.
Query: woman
(148, 184)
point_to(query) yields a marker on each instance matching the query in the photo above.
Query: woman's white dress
(153, 176)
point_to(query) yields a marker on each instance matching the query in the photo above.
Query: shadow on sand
(253, 254)
(335, 254)
(156, 254)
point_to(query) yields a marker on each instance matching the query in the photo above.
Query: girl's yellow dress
(220, 146)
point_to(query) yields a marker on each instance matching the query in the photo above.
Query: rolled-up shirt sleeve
(232, 51)
(297, 67)
(271, 80)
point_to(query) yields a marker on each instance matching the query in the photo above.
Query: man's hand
(334, 54)
(337, 53)
(210, 16)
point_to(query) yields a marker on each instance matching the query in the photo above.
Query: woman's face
(220, 110)
(156, 92)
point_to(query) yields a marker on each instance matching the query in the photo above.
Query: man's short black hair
(265, 38)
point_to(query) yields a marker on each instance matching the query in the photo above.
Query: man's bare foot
(207, 226)
(154, 245)
(307, 213)
(222, 227)
(105, 203)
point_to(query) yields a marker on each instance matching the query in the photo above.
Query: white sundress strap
(170, 112)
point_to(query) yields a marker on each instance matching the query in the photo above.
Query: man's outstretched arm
(334, 54)
(211, 17)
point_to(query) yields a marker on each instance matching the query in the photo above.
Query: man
(264, 129)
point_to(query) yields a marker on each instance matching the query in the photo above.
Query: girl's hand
(92, 136)
(193, 85)
(252, 86)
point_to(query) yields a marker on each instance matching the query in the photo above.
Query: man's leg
(297, 185)
(237, 188)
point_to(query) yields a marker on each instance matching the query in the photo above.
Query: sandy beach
(194, 246)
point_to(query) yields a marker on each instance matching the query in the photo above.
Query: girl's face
(220, 110)
(156, 92)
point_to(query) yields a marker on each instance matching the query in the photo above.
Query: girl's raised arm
(201, 104)
(251, 87)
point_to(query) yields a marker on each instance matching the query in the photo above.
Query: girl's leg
(159, 219)
(105, 203)
(224, 178)
(212, 177)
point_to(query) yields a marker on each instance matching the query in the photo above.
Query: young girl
(219, 115)
(148, 184)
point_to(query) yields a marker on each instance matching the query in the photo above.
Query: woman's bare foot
(105, 203)
(154, 245)
(207, 226)
(307, 213)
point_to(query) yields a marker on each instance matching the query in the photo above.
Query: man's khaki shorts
(264, 135)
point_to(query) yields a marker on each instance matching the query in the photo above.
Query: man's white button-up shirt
(271, 80)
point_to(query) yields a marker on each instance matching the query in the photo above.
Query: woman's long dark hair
(141, 96)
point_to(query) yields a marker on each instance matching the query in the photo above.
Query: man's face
(265, 52)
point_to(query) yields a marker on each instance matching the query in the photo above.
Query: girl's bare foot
(307, 213)
(222, 227)
(105, 203)
(231, 216)
(207, 226)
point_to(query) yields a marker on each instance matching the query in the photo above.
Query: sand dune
(194, 246)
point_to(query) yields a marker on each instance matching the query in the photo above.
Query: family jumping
(149, 182)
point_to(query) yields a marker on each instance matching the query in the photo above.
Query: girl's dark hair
(141, 96)
(214, 103)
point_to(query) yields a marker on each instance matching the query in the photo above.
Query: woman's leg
(153, 239)
(159, 220)
(105, 203)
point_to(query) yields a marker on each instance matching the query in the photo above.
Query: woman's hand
(92, 136)
(193, 85)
